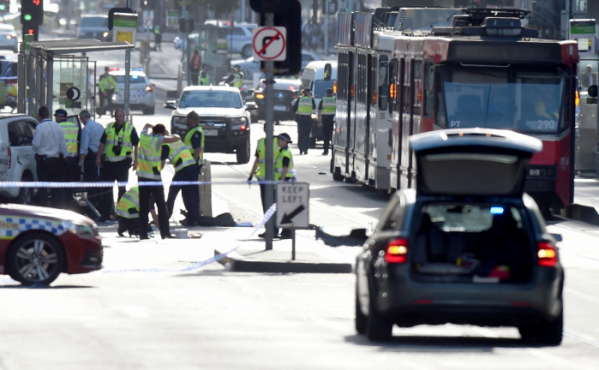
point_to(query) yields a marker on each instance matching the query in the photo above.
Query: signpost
(293, 208)
(125, 29)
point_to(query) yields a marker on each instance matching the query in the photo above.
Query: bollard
(205, 191)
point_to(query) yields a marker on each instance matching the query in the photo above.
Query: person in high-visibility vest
(71, 134)
(195, 64)
(304, 106)
(185, 170)
(204, 76)
(240, 76)
(127, 213)
(232, 77)
(260, 165)
(194, 139)
(119, 141)
(157, 38)
(107, 85)
(149, 166)
(284, 168)
(326, 113)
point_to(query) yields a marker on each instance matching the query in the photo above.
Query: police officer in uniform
(157, 38)
(304, 107)
(240, 76)
(149, 166)
(326, 111)
(107, 86)
(71, 137)
(127, 213)
(260, 165)
(119, 140)
(284, 168)
(185, 170)
(232, 77)
(204, 76)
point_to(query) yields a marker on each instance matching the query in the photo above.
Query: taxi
(38, 243)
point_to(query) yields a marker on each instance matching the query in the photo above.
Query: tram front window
(502, 98)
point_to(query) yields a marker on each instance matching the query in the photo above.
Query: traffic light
(5, 6)
(32, 12)
(31, 30)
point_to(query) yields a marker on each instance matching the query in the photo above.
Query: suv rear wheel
(243, 153)
(545, 332)
(378, 328)
(360, 319)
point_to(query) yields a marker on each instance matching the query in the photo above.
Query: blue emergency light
(496, 210)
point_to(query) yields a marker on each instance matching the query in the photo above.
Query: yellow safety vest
(304, 107)
(329, 105)
(149, 161)
(284, 153)
(261, 173)
(204, 78)
(107, 83)
(179, 155)
(112, 139)
(187, 142)
(70, 131)
(129, 200)
(238, 81)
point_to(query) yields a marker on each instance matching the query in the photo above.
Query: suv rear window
(469, 218)
(94, 22)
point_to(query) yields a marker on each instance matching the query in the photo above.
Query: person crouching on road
(149, 165)
(284, 168)
(127, 213)
(304, 107)
(260, 165)
(326, 112)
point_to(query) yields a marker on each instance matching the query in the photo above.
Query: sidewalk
(586, 201)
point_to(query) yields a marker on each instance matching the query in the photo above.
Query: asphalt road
(214, 319)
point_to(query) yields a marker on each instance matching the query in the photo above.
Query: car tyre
(35, 258)
(247, 51)
(378, 329)
(243, 153)
(25, 194)
(545, 332)
(360, 319)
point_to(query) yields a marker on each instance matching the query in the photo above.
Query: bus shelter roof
(72, 46)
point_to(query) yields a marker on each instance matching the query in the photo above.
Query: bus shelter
(51, 73)
(211, 42)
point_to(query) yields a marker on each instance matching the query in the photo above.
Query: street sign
(291, 19)
(293, 205)
(148, 16)
(124, 28)
(269, 43)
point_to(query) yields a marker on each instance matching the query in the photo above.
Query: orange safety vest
(196, 62)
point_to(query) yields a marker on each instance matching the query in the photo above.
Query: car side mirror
(593, 91)
(558, 237)
(170, 104)
(251, 106)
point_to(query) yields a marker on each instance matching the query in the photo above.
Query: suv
(468, 246)
(17, 158)
(240, 38)
(93, 27)
(285, 92)
(223, 116)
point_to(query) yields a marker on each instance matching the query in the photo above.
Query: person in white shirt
(50, 150)
(88, 149)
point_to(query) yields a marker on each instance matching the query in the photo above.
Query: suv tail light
(547, 254)
(397, 251)
(9, 157)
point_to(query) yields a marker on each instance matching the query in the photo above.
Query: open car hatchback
(467, 246)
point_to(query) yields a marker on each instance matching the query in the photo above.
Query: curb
(236, 262)
(583, 213)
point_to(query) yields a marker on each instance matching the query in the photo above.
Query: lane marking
(581, 295)
(583, 338)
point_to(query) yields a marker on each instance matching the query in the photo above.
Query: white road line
(581, 295)
(583, 338)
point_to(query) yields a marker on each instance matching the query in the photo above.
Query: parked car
(141, 91)
(8, 37)
(467, 246)
(17, 158)
(239, 38)
(224, 118)
(285, 91)
(93, 27)
(250, 66)
(38, 243)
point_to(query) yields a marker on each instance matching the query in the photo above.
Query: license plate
(281, 108)
(211, 132)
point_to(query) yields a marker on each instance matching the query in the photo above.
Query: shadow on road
(423, 344)
(48, 287)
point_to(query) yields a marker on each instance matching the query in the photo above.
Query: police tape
(109, 184)
(269, 213)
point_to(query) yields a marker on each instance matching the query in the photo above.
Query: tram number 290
(547, 125)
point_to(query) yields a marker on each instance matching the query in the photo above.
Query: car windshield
(321, 86)
(94, 22)
(134, 79)
(502, 98)
(210, 99)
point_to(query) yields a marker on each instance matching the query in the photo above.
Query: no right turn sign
(269, 43)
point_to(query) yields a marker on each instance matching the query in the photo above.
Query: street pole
(269, 19)
(127, 75)
(326, 28)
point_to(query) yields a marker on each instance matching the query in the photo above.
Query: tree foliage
(219, 6)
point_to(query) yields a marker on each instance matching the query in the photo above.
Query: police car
(38, 243)
(141, 91)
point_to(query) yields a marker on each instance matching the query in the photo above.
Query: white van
(313, 79)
